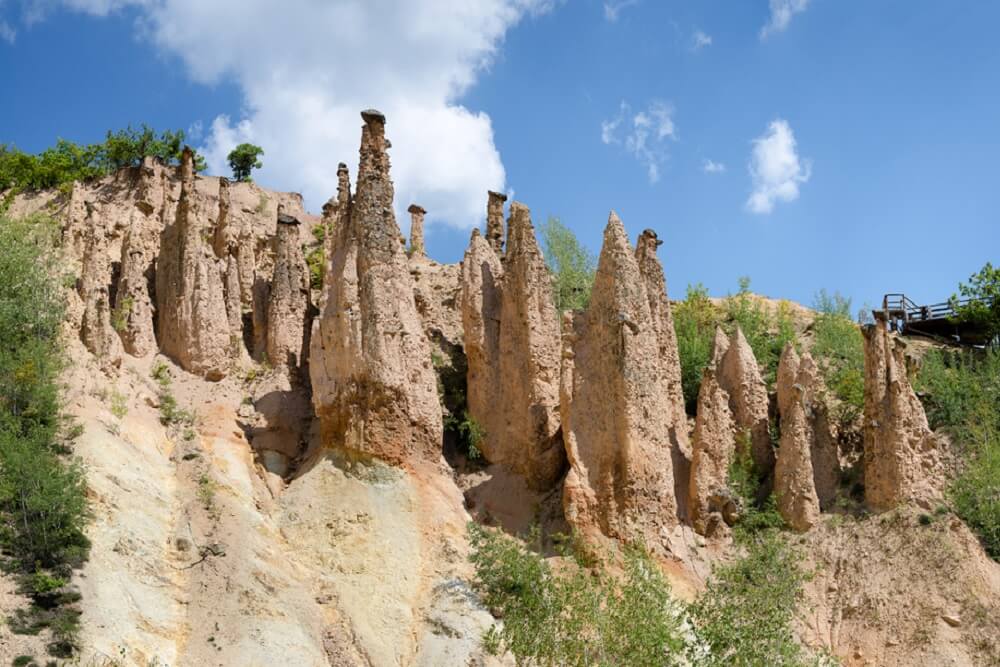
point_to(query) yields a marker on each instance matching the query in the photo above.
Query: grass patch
(961, 393)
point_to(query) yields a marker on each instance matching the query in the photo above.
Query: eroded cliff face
(289, 316)
(615, 406)
(902, 458)
(740, 376)
(794, 483)
(374, 387)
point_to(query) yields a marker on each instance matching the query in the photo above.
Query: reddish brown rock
(417, 249)
(374, 387)
(96, 329)
(663, 322)
(481, 278)
(529, 359)
(901, 457)
(288, 318)
(794, 478)
(740, 376)
(713, 447)
(192, 327)
(494, 220)
(615, 406)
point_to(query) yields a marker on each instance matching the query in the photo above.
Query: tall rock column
(192, 326)
(139, 250)
(663, 321)
(96, 330)
(417, 231)
(374, 387)
(794, 477)
(481, 283)
(713, 446)
(288, 322)
(527, 437)
(615, 406)
(740, 376)
(494, 220)
(901, 458)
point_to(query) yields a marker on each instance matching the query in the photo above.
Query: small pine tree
(243, 159)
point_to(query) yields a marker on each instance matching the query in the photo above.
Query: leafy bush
(577, 616)
(243, 159)
(316, 257)
(695, 319)
(984, 311)
(839, 350)
(67, 162)
(572, 266)
(961, 393)
(745, 614)
(43, 506)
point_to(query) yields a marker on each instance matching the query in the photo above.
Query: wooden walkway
(935, 320)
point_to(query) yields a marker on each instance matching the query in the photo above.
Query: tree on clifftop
(983, 307)
(244, 159)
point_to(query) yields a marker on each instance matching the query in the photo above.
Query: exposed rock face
(494, 220)
(788, 369)
(794, 481)
(288, 319)
(374, 387)
(417, 213)
(481, 284)
(740, 376)
(139, 250)
(714, 444)
(615, 406)
(663, 322)
(901, 460)
(96, 330)
(529, 359)
(193, 327)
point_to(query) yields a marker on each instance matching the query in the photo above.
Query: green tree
(838, 348)
(243, 159)
(572, 265)
(983, 310)
(695, 319)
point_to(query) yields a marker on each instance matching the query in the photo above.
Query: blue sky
(891, 183)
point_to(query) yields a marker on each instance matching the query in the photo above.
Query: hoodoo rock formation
(511, 332)
(794, 478)
(374, 388)
(615, 406)
(189, 286)
(663, 321)
(96, 330)
(494, 220)
(740, 376)
(710, 504)
(288, 316)
(901, 458)
(481, 284)
(417, 250)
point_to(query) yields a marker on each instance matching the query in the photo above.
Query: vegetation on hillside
(839, 350)
(695, 321)
(983, 311)
(961, 393)
(588, 611)
(43, 506)
(572, 265)
(244, 159)
(67, 161)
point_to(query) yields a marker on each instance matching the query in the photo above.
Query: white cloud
(613, 8)
(306, 69)
(647, 134)
(782, 12)
(711, 167)
(700, 40)
(775, 168)
(7, 33)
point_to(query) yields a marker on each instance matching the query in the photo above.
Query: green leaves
(67, 162)
(243, 159)
(572, 265)
(984, 311)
